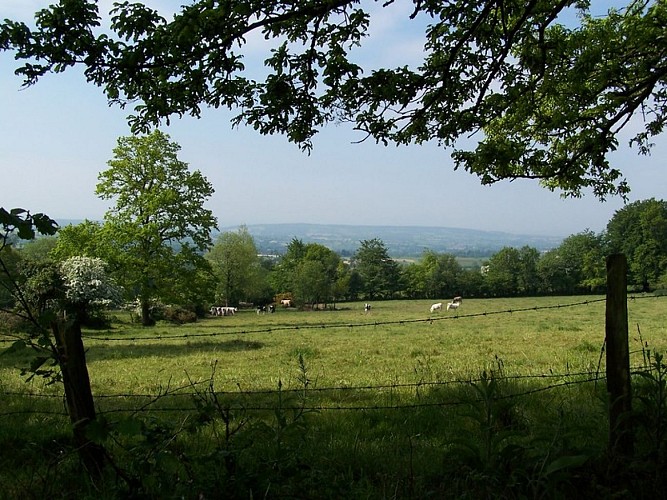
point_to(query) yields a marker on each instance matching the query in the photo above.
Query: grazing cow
(367, 308)
(261, 309)
(223, 311)
(436, 307)
(453, 305)
(286, 302)
(272, 308)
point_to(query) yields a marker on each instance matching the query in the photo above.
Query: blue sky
(56, 136)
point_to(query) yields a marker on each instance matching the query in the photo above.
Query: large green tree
(379, 273)
(159, 227)
(434, 276)
(513, 271)
(577, 265)
(639, 230)
(311, 273)
(236, 266)
(550, 86)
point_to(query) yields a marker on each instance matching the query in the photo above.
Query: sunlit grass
(395, 343)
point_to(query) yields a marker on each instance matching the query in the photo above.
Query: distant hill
(401, 241)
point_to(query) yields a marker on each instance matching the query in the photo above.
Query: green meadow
(500, 398)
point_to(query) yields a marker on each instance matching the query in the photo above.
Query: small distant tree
(341, 287)
(440, 274)
(84, 239)
(309, 272)
(310, 284)
(502, 277)
(281, 276)
(39, 249)
(577, 265)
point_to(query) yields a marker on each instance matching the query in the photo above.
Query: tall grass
(396, 403)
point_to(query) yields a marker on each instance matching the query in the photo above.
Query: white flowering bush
(87, 282)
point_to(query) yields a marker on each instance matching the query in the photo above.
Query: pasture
(396, 402)
(398, 341)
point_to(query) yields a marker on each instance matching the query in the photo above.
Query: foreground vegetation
(331, 404)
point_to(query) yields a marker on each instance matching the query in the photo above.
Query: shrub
(179, 315)
(12, 323)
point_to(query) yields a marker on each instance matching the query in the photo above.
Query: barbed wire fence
(6, 338)
(247, 405)
(591, 377)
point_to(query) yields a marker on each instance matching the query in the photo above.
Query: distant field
(465, 262)
(395, 342)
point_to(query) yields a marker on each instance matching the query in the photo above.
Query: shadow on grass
(106, 351)
(439, 442)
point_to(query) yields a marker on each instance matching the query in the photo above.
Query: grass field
(403, 432)
(395, 342)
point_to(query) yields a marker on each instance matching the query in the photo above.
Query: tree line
(310, 273)
(156, 248)
(230, 272)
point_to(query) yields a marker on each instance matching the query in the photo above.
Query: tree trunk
(79, 396)
(146, 319)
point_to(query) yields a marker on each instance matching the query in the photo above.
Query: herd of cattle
(271, 308)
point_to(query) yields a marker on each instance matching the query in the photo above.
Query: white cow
(286, 302)
(453, 305)
(436, 307)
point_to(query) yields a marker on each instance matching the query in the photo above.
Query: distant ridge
(401, 241)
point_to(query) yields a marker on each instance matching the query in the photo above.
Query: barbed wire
(589, 377)
(324, 407)
(325, 326)
(593, 376)
(381, 387)
(335, 325)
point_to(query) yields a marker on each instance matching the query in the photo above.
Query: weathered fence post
(618, 357)
(78, 394)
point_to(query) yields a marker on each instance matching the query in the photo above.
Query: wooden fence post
(621, 440)
(78, 393)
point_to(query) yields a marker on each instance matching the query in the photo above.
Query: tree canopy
(547, 95)
(639, 230)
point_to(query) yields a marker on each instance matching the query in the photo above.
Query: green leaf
(565, 463)
(97, 430)
(130, 426)
(17, 346)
